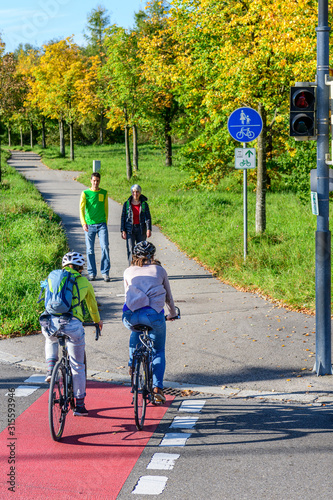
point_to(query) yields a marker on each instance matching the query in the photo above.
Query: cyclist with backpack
(65, 290)
(135, 220)
(147, 289)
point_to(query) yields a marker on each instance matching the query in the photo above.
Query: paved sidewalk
(228, 342)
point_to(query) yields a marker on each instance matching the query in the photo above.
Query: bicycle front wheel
(140, 379)
(57, 399)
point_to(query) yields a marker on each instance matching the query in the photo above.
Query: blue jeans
(132, 239)
(102, 231)
(150, 317)
(75, 346)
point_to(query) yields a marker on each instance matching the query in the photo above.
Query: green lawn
(32, 242)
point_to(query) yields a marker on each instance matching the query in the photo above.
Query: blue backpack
(59, 292)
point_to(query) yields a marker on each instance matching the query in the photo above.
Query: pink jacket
(148, 286)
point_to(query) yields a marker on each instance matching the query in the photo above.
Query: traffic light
(303, 112)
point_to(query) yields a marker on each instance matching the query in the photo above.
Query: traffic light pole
(323, 365)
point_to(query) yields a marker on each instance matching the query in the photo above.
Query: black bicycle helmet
(144, 249)
(74, 258)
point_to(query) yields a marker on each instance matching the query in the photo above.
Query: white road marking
(23, 390)
(192, 405)
(184, 422)
(174, 439)
(150, 485)
(163, 461)
(35, 379)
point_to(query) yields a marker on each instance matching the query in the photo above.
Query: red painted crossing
(94, 457)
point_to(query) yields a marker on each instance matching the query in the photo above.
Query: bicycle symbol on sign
(245, 163)
(245, 132)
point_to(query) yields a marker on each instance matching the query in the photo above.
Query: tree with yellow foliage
(124, 94)
(157, 53)
(233, 54)
(54, 87)
(30, 112)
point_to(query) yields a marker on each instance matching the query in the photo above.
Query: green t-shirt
(94, 205)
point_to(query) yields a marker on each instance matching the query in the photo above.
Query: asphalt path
(228, 341)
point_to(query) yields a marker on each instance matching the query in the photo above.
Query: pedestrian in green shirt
(94, 211)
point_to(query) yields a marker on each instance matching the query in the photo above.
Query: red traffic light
(303, 99)
(302, 112)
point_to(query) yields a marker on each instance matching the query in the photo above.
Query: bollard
(96, 165)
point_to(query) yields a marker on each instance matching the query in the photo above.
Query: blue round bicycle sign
(244, 124)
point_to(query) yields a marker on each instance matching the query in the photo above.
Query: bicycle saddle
(140, 327)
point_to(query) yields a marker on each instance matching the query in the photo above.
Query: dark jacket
(127, 216)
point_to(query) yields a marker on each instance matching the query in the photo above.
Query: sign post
(245, 125)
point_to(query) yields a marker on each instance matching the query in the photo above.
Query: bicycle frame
(61, 395)
(69, 400)
(142, 373)
(144, 351)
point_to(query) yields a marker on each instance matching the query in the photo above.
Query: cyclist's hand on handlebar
(171, 317)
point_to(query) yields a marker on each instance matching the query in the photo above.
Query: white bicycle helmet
(74, 258)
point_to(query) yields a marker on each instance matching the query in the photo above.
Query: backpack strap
(43, 285)
(78, 298)
(77, 290)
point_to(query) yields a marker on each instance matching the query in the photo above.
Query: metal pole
(245, 207)
(323, 364)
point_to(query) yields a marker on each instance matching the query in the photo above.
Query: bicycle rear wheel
(140, 379)
(57, 399)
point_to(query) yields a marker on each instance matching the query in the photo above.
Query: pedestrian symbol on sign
(244, 118)
(245, 124)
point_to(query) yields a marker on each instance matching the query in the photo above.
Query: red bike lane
(94, 457)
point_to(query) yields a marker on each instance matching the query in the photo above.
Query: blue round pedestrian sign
(244, 124)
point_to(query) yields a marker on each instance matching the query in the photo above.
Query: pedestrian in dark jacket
(135, 220)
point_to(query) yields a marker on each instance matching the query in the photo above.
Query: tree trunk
(128, 154)
(21, 137)
(261, 175)
(167, 139)
(31, 135)
(62, 138)
(101, 128)
(71, 140)
(135, 149)
(43, 133)
(9, 137)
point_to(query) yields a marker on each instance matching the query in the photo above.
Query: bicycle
(142, 373)
(61, 395)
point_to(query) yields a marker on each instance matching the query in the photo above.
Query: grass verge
(32, 242)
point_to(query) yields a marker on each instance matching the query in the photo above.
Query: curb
(185, 390)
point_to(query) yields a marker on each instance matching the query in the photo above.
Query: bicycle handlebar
(175, 317)
(96, 325)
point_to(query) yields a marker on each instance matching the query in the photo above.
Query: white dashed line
(24, 390)
(154, 485)
(150, 485)
(193, 405)
(184, 422)
(35, 379)
(163, 461)
(175, 439)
